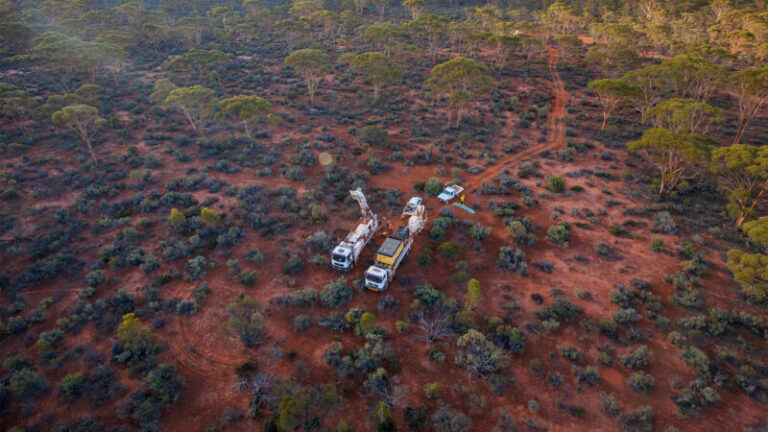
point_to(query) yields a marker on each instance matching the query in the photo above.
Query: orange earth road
(555, 127)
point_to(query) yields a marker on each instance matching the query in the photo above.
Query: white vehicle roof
(377, 271)
(414, 201)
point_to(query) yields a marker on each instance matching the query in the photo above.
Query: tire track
(555, 127)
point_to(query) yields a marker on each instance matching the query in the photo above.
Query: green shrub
(302, 323)
(401, 327)
(640, 382)
(246, 321)
(432, 390)
(637, 357)
(95, 278)
(73, 387)
(448, 250)
(294, 265)
(295, 173)
(555, 184)
(609, 405)
(26, 384)
(570, 353)
(657, 244)
(373, 135)
(533, 405)
(560, 234)
(336, 293)
(433, 187)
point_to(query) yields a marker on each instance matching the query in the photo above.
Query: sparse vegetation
(176, 179)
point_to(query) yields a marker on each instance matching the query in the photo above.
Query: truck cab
(376, 278)
(341, 258)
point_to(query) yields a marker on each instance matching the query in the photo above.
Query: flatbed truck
(395, 249)
(345, 255)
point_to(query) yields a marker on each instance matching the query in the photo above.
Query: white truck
(394, 251)
(346, 253)
(449, 193)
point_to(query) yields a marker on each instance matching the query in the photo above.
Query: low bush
(560, 234)
(640, 382)
(555, 184)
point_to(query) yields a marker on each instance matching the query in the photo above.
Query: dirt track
(555, 128)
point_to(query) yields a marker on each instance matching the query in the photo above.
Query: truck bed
(360, 231)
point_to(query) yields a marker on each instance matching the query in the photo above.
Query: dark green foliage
(433, 187)
(555, 184)
(609, 406)
(448, 250)
(560, 234)
(445, 419)
(697, 360)
(95, 278)
(416, 417)
(83, 424)
(426, 296)
(640, 382)
(479, 355)
(640, 421)
(627, 316)
(695, 398)
(165, 384)
(26, 384)
(17, 362)
(570, 353)
(637, 357)
(49, 268)
(246, 321)
(134, 345)
(554, 379)
(195, 269)
(306, 407)
(561, 310)
(512, 259)
(479, 232)
(623, 297)
(373, 135)
(73, 387)
(588, 376)
(162, 389)
(295, 265)
(302, 323)
(336, 293)
(510, 338)
(304, 297)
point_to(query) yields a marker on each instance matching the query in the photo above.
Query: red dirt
(206, 353)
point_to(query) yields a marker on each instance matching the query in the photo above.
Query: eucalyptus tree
(195, 102)
(311, 65)
(376, 69)
(460, 80)
(81, 119)
(246, 109)
(742, 176)
(676, 157)
(612, 93)
(751, 86)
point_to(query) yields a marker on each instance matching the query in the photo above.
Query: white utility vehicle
(449, 193)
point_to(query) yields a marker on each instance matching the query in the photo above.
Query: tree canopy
(311, 64)
(244, 108)
(376, 69)
(460, 80)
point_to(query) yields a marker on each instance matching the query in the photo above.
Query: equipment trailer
(394, 251)
(345, 255)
